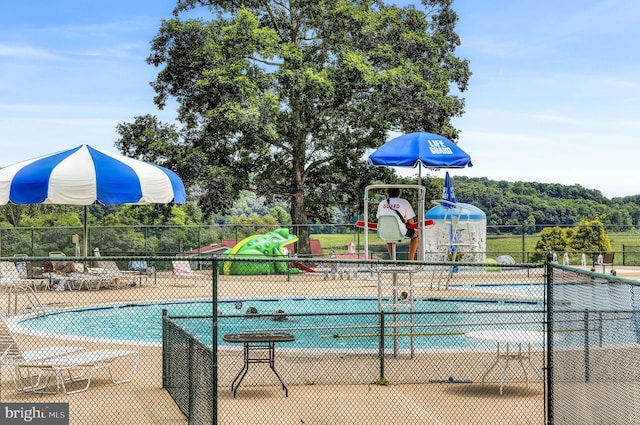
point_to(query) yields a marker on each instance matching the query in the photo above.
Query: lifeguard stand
(459, 235)
(390, 285)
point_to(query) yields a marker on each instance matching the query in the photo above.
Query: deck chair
(607, 258)
(22, 265)
(73, 280)
(334, 268)
(10, 350)
(8, 274)
(120, 278)
(389, 231)
(11, 276)
(182, 270)
(59, 372)
(57, 254)
(78, 267)
(32, 274)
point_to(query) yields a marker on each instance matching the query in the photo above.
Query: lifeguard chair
(389, 231)
(388, 228)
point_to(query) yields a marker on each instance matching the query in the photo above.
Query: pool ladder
(450, 251)
(32, 304)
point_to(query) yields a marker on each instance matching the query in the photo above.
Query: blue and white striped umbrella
(86, 176)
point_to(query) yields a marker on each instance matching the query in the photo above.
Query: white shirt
(402, 206)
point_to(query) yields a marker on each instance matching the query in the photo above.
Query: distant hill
(544, 204)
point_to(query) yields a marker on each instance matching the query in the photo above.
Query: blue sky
(554, 95)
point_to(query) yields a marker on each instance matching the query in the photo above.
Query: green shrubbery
(588, 236)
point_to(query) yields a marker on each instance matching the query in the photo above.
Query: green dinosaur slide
(269, 245)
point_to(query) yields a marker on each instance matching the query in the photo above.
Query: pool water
(141, 322)
(533, 290)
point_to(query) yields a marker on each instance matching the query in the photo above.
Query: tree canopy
(285, 97)
(544, 204)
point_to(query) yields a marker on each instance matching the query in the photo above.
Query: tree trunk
(298, 211)
(299, 218)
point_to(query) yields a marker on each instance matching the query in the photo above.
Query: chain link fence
(517, 241)
(595, 321)
(316, 341)
(371, 341)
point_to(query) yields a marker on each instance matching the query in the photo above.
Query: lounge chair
(72, 368)
(79, 277)
(120, 278)
(10, 351)
(11, 276)
(8, 274)
(182, 270)
(56, 254)
(22, 265)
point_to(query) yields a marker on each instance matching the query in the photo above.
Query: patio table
(506, 338)
(258, 348)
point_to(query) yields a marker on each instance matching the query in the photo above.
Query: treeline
(545, 204)
(535, 205)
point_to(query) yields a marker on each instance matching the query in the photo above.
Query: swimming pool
(141, 322)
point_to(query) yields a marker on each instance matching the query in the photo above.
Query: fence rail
(517, 241)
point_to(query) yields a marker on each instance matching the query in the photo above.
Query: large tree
(285, 97)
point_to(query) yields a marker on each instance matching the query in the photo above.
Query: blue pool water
(141, 322)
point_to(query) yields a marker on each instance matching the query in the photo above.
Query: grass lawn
(621, 242)
(496, 245)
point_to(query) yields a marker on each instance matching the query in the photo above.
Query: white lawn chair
(10, 351)
(72, 368)
(185, 275)
(8, 274)
(11, 276)
(119, 278)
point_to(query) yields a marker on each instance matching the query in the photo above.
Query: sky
(553, 97)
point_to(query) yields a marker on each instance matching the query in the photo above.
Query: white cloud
(26, 52)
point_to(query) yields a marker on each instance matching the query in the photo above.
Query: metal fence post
(524, 252)
(381, 349)
(586, 346)
(550, 328)
(214, 341)
(165, 355)
(191, 398)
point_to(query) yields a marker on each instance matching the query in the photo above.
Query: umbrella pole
(86, 231)
(422, 199)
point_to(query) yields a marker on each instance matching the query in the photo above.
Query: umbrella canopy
(420, 148)
(86, 176)
(448, 197)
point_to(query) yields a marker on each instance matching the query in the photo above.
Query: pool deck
(145, 400)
